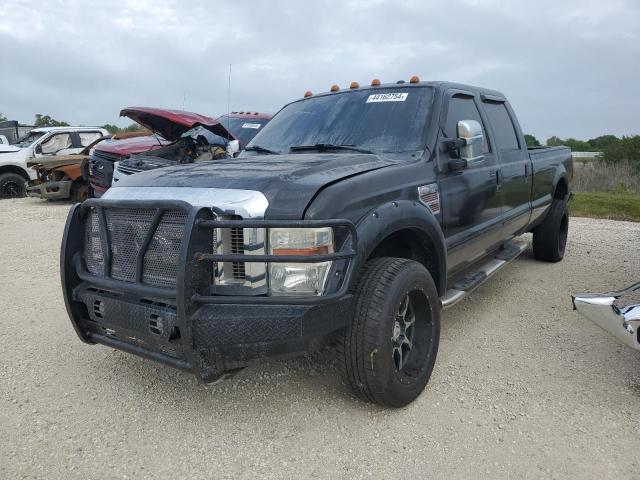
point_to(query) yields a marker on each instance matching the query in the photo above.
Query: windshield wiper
(321, 147)
(258, 148)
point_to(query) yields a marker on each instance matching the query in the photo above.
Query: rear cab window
(503, 128)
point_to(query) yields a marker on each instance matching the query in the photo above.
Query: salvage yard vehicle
(172, 130)
(355, 214)
(605, 310)
(60, 176)
(39, 143)
(241, 126)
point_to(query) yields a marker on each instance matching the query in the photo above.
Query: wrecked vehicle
(241, 126)
(98, 168)
(356, 214)
(40, 143)
(607, 311)
(60, 176)
(171, 128)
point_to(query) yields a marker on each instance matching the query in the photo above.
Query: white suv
(37, 143)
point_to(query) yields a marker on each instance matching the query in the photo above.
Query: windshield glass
(243, 129)
(390, 120)
(210, 137)
(28, 139)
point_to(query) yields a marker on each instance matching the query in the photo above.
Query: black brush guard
(190, 327)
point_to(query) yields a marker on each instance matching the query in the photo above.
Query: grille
(163, 254)
(127, 170)
(93, 256)
(237, 247)
(127, 230)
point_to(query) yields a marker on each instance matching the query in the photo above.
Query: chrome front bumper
(621, 322)
(50, 190)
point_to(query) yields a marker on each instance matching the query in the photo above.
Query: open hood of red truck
(171, 124)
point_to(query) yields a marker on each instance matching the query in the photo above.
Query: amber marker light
(375, 82)
(321, 250)
(335, 88)
(354, 85)
(414, 79)
(308, 93)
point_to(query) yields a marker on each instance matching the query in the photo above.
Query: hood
(4, 148)
(56, 161)
(171, 124)
(289, 182)
(130, 146)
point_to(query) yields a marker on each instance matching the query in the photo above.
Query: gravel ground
(523, 387)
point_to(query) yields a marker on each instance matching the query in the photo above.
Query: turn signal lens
(299, 278)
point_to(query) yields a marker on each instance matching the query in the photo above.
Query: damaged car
(611, 312)
(172, 133)
(61, 176)
(197, 144)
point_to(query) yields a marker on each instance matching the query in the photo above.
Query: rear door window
(87, 138)
(503, 128)
(462, 107)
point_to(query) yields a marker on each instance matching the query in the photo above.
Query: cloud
(566, 66)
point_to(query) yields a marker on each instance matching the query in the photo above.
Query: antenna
(229, 105)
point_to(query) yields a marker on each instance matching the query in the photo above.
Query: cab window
(55, 143)
(462, 107)
(503, 128)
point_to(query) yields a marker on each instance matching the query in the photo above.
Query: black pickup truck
(355, 215)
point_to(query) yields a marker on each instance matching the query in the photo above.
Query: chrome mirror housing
(470, 131)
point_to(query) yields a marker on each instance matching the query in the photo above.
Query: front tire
(12, 185)
(550, 237)
(389, 350)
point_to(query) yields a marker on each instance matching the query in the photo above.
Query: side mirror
(38, 149)
(471, 132)
(233, 148)
(470, 138)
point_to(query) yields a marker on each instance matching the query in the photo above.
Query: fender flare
(561, 175)
(392, 217)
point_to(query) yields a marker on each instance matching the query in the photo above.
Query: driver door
(471, 197)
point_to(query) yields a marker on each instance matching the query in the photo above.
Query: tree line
(614, 149)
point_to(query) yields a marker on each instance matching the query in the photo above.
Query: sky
(569, 68)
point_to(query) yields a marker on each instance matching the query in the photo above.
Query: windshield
(210, 137)
(28, 139)
(385, 120)
(243, 129)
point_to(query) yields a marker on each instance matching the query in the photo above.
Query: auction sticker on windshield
(387, 97)
(251, 125)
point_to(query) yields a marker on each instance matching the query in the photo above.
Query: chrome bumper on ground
(621, 322)
(50, 190)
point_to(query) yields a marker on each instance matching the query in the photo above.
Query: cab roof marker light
(335, 88)
(414, 79)
(308, 93)
(400, 81)
(375, 82)
(354, 85)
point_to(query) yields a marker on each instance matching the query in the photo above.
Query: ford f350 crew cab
(358, 214)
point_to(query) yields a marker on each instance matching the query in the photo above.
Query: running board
(477, 277)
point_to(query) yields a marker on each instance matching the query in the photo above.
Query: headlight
(299, 278)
